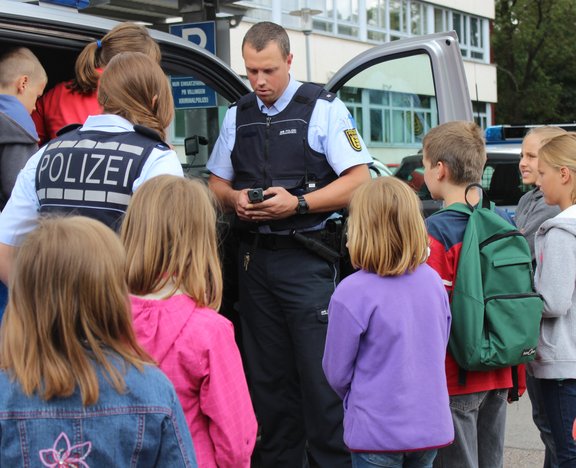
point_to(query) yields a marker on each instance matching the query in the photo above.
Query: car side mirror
(192, 144)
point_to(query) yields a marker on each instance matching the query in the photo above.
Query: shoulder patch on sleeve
(353, 139)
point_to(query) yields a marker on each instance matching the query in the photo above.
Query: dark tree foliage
(534, 48)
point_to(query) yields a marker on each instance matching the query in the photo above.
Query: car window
(398, 91)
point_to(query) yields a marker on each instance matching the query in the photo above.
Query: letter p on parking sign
(202, 34)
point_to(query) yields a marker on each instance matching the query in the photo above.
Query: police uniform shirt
(20, 215)
(331, 131)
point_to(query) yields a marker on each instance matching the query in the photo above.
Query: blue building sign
(188, 92)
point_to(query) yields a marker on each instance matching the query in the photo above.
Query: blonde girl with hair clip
(554, 367)
(388, 329)
(74, 383)
(174, 275)
(73, 101)
(94, 169)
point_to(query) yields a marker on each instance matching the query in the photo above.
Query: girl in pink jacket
(174, 275)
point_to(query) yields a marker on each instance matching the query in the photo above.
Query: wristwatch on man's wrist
(302, 207)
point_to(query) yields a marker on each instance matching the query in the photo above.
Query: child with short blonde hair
(174, 274)
(75, 385)
(554, 368)
(387, 334)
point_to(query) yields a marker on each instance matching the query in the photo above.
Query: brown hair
(19, 61)
(261, 34)
(68, 311)
(133, 86)
(169, 233)
(560, 151)
(126, 37)
(386, 231)
(460, 146)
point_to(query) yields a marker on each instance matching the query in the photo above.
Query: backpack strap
(484, 199)
(513, 393)
(468, 208)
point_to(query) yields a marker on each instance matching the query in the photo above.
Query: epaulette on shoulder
(150, 133)
(327, 95)
(68, 128)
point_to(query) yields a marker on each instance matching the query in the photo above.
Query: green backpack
(496, 312)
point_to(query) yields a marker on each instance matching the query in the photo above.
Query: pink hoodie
(195, 348)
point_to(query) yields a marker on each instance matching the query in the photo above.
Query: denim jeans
(541, 420)
(419, 459)
(559, 398)
(479, 427)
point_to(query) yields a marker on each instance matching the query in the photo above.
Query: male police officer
(299, 143)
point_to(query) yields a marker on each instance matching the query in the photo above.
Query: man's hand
(280, 204)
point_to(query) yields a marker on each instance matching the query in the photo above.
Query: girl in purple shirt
(388, 330)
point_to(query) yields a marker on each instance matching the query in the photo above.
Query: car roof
(503, 152)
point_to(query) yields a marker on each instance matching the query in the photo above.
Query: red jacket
(60, 107)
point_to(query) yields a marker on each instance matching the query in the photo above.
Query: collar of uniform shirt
(107, 123)
(282, 101)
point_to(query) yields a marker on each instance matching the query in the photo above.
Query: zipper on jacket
(266, 149)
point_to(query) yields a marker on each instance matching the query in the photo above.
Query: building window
(481, 112)
(388, 118)
(386, 20)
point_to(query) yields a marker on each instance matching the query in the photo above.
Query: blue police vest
(274, 152)
(91, 173)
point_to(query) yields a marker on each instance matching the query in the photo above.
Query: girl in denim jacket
(174, 274)
(75, 387)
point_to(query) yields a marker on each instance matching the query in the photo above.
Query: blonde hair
(545, 132)
(126, 37)
(560, 151)
(169, 233)
(68, 311)
(386, 231)
(133, 86)
(17, 62)
(460, 146)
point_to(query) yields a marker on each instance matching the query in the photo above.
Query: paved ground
(524, 449)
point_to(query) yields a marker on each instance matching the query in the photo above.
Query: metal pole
(308, 63)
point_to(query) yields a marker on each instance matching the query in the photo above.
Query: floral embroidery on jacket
(63, 455)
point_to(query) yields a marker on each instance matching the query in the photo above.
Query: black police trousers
(284, 291)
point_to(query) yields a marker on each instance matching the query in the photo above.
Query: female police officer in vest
(298, 142)
(93, 170)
